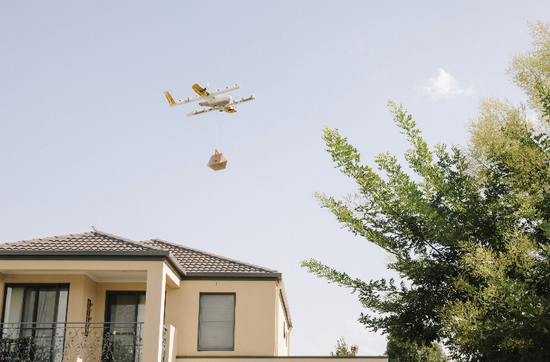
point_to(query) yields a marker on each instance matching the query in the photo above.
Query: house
(99, 297)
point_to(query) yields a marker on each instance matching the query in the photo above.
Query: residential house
(99, 297)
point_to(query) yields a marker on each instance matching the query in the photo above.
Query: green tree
(342, 348)
(530, 70)
(405, 351)
(469, 230)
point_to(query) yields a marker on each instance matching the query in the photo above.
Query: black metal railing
(59, 342)
(163, 346)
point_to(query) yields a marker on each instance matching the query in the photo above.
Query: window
(124, 317)
(34, 319)
(216, 322)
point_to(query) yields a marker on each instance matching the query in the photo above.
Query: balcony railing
(75, 342)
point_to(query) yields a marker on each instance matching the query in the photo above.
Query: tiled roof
(197, 261)
(86, 242)
(191, 261)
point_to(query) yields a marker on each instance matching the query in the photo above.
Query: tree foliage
(342, 349)
(530, 70)
(468, 229)
(405, 351)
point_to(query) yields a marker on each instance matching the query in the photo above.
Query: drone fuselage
(216, 101)
(212, 100)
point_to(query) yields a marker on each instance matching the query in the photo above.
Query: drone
(212, 100)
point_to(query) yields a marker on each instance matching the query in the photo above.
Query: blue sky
(87, 137)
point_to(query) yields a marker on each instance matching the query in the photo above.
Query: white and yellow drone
(213, 100)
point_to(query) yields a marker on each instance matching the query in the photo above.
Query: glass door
(34, 321)
(125, 314)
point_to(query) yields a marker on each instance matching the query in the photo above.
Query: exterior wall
(287, 359)
(259, 314)
(82, 288)
(2, 291)
(255, 315)
(283, 332)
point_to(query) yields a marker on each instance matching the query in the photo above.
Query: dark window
(34, 319)
(216, 322)
(124, 317)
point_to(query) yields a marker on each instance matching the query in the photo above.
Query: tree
(405, 351)
(469, 232)
(342, 349)
(530, 70)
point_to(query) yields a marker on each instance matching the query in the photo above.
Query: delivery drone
(213, 101)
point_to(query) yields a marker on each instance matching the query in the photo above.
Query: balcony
(78, 342)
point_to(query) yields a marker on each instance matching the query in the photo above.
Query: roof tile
(91, 241)
(192, 260)
(198, 261)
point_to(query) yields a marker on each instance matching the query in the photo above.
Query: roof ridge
(123, 239)
(213, 255)
(42, 240)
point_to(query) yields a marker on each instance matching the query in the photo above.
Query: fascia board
(243, 275)
(95, 255)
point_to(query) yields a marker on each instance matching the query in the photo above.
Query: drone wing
(204, 110)
(230, 108)
(242, 100)
(173, 103)
(225, 90)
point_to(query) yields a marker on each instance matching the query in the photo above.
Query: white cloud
(445, 86)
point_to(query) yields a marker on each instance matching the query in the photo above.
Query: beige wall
(80, 289)
(81, 286)
(283, 330)
(258, 311)
(290, 359)
(78, 274)
(255, 315)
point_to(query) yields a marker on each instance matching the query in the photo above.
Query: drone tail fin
(171, 101)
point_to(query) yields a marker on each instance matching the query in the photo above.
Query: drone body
(212, 101)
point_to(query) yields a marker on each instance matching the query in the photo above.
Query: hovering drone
(213, 100)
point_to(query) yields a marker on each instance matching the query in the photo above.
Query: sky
(87, 138)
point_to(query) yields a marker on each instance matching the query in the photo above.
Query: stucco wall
(283, 332)
(83, 287)
(80, 286)
(287, 359)
(258, 315)
(254, 315)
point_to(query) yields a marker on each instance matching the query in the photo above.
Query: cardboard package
(217, 161)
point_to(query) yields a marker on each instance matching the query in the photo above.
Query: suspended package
(217, 161)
